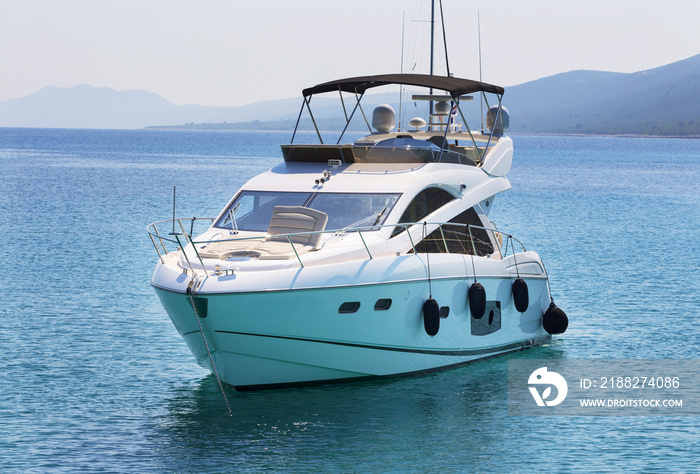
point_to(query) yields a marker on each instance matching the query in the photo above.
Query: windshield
(252, 210)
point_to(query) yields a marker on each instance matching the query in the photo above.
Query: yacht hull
(356, 260)
(266, 339)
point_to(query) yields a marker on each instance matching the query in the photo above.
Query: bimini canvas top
(453, 85)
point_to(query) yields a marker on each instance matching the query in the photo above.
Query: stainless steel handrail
(464, 157)
(154, 234)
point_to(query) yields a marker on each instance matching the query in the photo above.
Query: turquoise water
(94, 377)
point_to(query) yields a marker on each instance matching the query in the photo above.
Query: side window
(458, 237)
(426, 202)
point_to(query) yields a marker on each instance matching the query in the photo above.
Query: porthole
(382, 304)
(349, 307)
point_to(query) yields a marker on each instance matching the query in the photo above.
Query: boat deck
(405, 147)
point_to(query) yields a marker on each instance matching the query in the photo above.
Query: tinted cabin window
(382, 304)
(349, 307)
(458, 237)
(425, 203)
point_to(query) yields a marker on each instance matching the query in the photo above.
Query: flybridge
(440, 142)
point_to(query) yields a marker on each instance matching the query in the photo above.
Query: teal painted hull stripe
(452, 353)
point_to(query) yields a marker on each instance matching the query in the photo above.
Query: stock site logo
(542, 377)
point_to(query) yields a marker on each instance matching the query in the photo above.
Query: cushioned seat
(227, 248)
(285, 220)
(292, 220)
(272, 250)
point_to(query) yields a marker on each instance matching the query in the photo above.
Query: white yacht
(366, 259)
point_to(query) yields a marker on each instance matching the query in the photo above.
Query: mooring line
(211, 359)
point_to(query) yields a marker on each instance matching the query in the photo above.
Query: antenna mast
(403, 25)
(432, 46)
(444, 40)
(481, 96)
(174, 233)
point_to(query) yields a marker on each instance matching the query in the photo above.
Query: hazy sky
(230, 52)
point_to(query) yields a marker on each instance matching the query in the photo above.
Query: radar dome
(503, 120)
(383, 118)
(417, 123)
(442, 108)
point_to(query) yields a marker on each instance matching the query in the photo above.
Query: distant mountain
(86, 106)
(660, 101)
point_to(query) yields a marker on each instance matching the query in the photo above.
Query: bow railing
(445, 237)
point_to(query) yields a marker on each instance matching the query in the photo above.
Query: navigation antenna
(403, 26)
(173, 232)
(444, 40)
(481, 96)
(432, 45)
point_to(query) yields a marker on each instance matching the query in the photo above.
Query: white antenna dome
(442, 108)
(383, 118)
(417, 123)
(503, 120)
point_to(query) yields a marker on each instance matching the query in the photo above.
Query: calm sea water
(93, 376)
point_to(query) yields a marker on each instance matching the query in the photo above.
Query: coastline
(530, 134)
